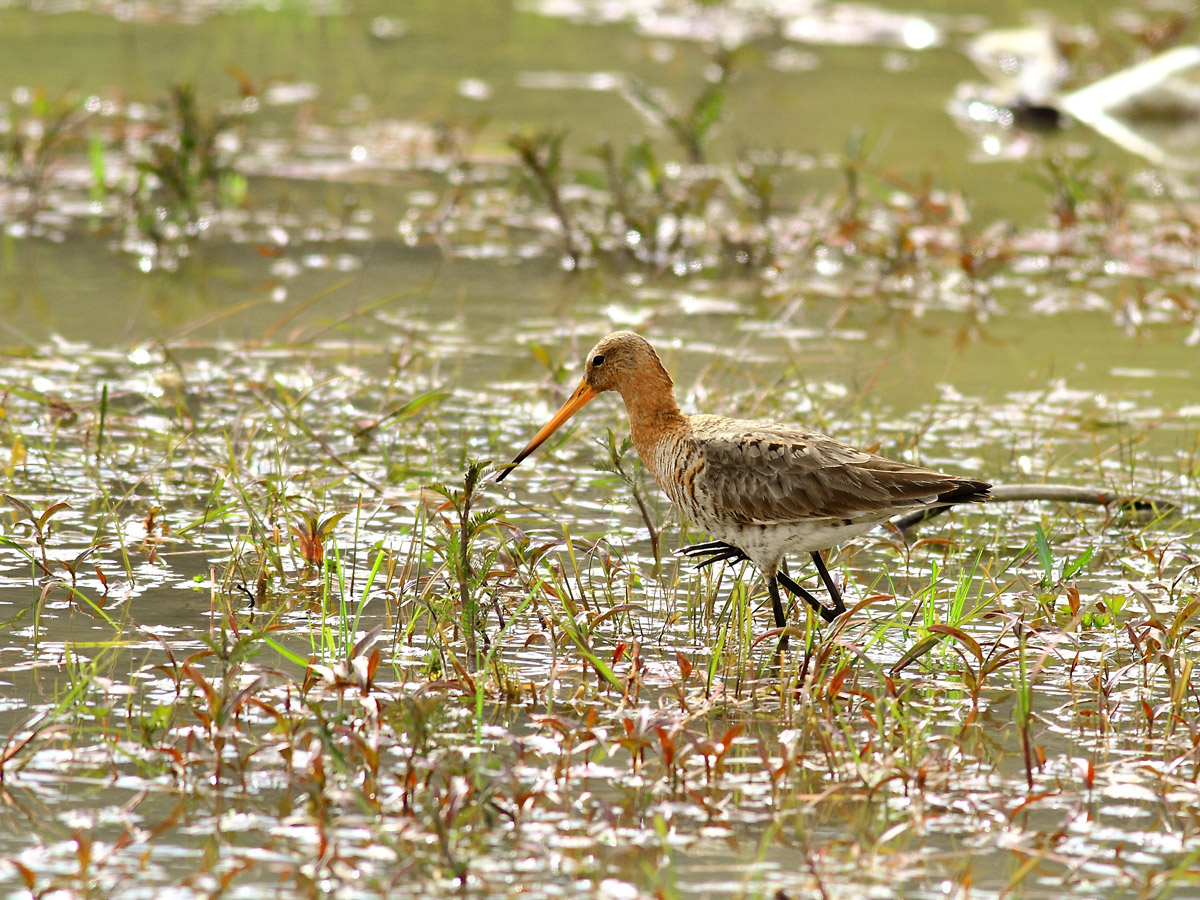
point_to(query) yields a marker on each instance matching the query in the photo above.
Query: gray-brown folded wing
(764, 473)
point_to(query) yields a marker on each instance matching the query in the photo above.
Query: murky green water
(187, 708)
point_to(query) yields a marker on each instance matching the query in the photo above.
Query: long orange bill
(584, 394)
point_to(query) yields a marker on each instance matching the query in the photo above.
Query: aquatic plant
(186, 173)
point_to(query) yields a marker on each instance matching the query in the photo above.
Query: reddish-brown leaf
(618, 652)
(685, 665)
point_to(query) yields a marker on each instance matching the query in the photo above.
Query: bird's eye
(598, 359)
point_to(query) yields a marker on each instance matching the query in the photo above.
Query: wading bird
(762, 489)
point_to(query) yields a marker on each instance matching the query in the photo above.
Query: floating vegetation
(656, 205)
(187, 175)
(278, 674)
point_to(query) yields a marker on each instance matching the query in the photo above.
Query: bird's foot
(834, 594)
(716, 551)
(820, 608)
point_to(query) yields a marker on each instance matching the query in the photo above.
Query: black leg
(732, 555)
(716, 551)
(704, 547)
(834, 594)
(720, 551)
(777, 609)
(827, 614)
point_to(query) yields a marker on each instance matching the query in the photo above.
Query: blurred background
(206, 168)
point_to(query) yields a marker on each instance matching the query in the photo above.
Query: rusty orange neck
(654, 414)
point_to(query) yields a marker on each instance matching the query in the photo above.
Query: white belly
(767, 545)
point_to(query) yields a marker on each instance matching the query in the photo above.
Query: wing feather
(761, 473)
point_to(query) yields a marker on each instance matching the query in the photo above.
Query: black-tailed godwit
(762, 489)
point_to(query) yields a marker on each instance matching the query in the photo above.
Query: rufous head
(612, 365)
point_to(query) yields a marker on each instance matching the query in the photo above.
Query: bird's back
(747, 472)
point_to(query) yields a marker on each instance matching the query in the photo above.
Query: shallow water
(194, 709)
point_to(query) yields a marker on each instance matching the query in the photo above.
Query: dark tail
(966, 492)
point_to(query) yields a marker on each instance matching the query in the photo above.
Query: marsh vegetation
(268, 624)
